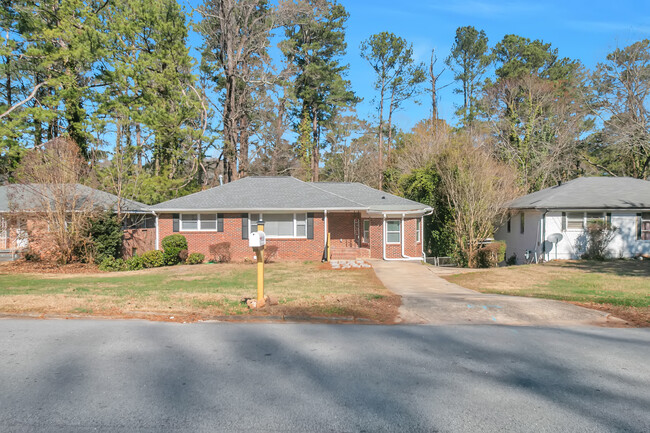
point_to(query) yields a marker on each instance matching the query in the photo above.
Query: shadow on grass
(623, 268)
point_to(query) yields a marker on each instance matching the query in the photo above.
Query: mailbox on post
(256, 240)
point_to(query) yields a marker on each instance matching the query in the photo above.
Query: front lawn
(189, 293)
(621, 287)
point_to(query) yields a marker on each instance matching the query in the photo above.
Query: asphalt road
(136, 376)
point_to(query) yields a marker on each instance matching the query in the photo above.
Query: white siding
(572, 245)
(517, 242)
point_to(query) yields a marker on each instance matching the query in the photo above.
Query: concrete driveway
(427, 298)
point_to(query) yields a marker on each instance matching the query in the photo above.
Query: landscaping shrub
(105, 235)
(172, 247)
(195, 259)
(111, 264)
(512, 260)
(220, 252)
(134, 263)
(490, 255)
(183, 255)
(153, 259)
(599, 235)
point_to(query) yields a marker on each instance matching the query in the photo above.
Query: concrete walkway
(427, 298)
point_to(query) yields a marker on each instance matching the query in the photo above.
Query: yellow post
(260, 271)
(328, 247)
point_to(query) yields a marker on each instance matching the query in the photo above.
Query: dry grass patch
(202, 291)
(621, 287)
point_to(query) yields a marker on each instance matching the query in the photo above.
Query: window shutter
(244, 226)
(608, 220)
(310, 226)
(176, 224)
(219, 222)
(639, 226)
(563, 221)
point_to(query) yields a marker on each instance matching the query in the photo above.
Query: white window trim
(198, 223)
(418, 231)
(251, 223)
(399, 232)
(584, 221)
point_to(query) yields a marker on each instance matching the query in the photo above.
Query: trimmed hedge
(490, 255)
(172, 246)
(111, 264)
(195, 258)
(153, 259)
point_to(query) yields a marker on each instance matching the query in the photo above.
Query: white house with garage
(551, 224)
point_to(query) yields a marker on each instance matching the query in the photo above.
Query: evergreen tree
(315, 42)
(469, 59)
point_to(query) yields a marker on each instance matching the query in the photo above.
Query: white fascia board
(261, 210)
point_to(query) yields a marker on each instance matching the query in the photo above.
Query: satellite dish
(555, 238)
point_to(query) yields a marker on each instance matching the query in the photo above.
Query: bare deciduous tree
(477, 188)
(622, 101)
(50, 196)
(536, 125)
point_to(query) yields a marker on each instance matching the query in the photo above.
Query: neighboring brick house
(362, 222)
(22, 227)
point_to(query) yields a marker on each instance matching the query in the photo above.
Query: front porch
(346, 235)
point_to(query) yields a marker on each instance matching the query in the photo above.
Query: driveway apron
(429, 299)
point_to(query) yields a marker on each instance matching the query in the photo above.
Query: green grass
(211, 289)
(619, 283)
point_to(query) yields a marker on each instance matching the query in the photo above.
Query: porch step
(349, 253)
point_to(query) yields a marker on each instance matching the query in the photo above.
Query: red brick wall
(411, 248)
(139, 239)
(341, 228)
(211, 243)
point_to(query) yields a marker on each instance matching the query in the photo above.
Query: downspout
(544, 252)
(325, 229)
(156, 215)
(403, 231)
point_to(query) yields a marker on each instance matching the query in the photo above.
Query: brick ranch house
(362, 222)
(23, 228)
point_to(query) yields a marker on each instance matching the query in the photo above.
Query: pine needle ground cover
(190, 293)
(621, 287)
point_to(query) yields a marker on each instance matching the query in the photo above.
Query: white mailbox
(257, 240)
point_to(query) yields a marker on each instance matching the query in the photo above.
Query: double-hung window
(575, 220)
(393, 231)
(198, 222)
(418, 231)
(281, 225)
(643, 226)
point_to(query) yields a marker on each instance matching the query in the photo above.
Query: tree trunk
(138, 143)
(390, 127)
(381, 137)
(315, 153)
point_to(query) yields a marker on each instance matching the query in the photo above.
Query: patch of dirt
(634, 317)
(25, 267)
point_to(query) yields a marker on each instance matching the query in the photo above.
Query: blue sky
(583, 30)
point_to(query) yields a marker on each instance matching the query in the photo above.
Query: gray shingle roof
(28, 197)
(288, 193)
(590, 193)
